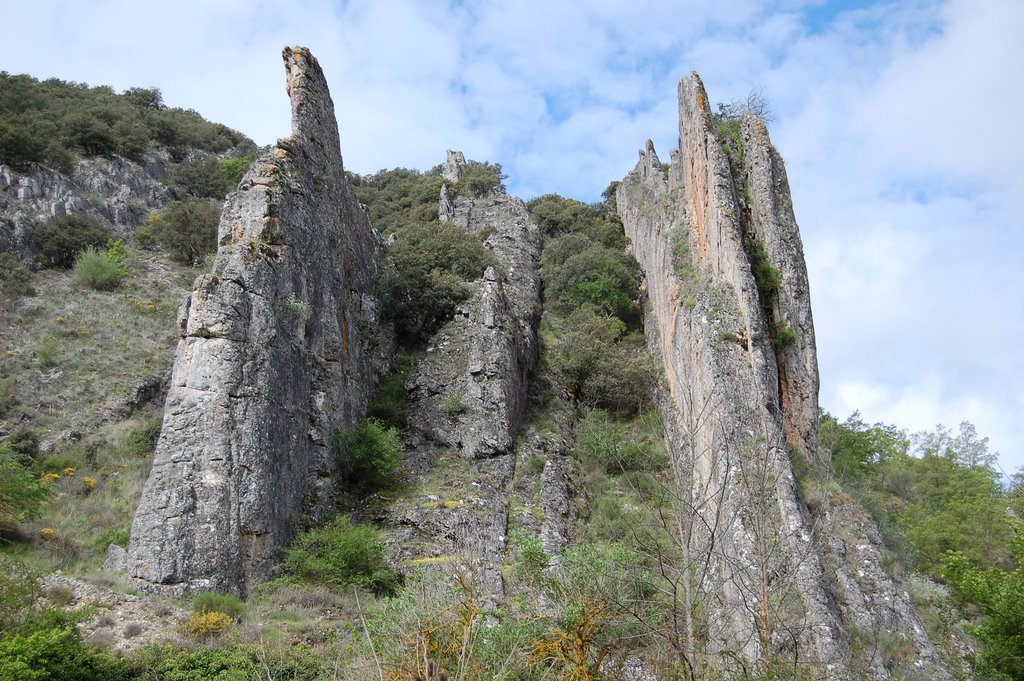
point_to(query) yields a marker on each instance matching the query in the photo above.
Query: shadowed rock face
(741, 400)
(279, 350)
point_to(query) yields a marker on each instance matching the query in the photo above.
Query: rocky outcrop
(730, 319)
(467, 398)
(278, 351)
(115, 191)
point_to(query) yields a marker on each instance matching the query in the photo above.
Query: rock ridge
(741, 400)
(468, 397)
(280, 348)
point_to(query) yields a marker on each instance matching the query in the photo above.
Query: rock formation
(468, 394)
(730, 318)
(114, 191)
(279, 350)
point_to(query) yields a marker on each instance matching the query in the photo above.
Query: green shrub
(783, 337)
(429, 265)
(47, 351)
(21, 493)
(187, 229)
(557, 216)
(15, 279)
(211, 601)
(59, 242)
(370, 453)
(605, 443)
(102, 270)
(479, 179)
(56, 653)
(234, 168)
(202, 177)
(454, 403)
(24, 444)
(390, 406)
(341, 554)
(142, 440)
(18, 589)
(600, 365)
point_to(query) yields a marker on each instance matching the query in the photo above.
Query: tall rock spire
(277, 352)
(730, 319)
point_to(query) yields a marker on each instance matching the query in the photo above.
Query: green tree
(999, 595)
(203, 177)
(429, 263)
(599, 364)
(187, 229)
(58, 242)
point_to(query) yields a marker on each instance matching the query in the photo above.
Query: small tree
(370, 453)
(187, 230)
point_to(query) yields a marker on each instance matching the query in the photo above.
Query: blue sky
(899, 123)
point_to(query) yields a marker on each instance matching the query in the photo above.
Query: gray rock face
(736, 404)
(114, 191)
(278, 351)
(467, 399)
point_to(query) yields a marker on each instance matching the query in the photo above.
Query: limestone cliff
(116, 192)
(730, 318)
(277, 353)
(468, 394)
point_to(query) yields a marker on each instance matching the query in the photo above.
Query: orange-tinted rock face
(729, 316)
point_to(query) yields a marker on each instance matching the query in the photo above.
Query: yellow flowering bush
(46, 533)
(207, 623)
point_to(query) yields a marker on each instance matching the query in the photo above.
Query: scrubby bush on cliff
(59, 241)
(429, 263)
(369, 454)
(187, 229)
(599, 364)
(478, 179)
(341, 554)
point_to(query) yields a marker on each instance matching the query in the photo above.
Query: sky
(900, 122)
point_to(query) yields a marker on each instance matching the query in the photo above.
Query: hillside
(406, 425)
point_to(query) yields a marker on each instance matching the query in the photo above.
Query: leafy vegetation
(15, 280)
(938, 499)
(58, 242)
(51, 121)
(102, 270)
(341, 554)
(21, 493)
(370, 453)
(186, 230)
(429, 264)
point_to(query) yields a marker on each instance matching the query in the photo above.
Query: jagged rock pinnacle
(742, 384)
(277, 353)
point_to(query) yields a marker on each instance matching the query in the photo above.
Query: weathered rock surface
(116, 192)
(279, 350)
(467, 398)
(738, 403)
